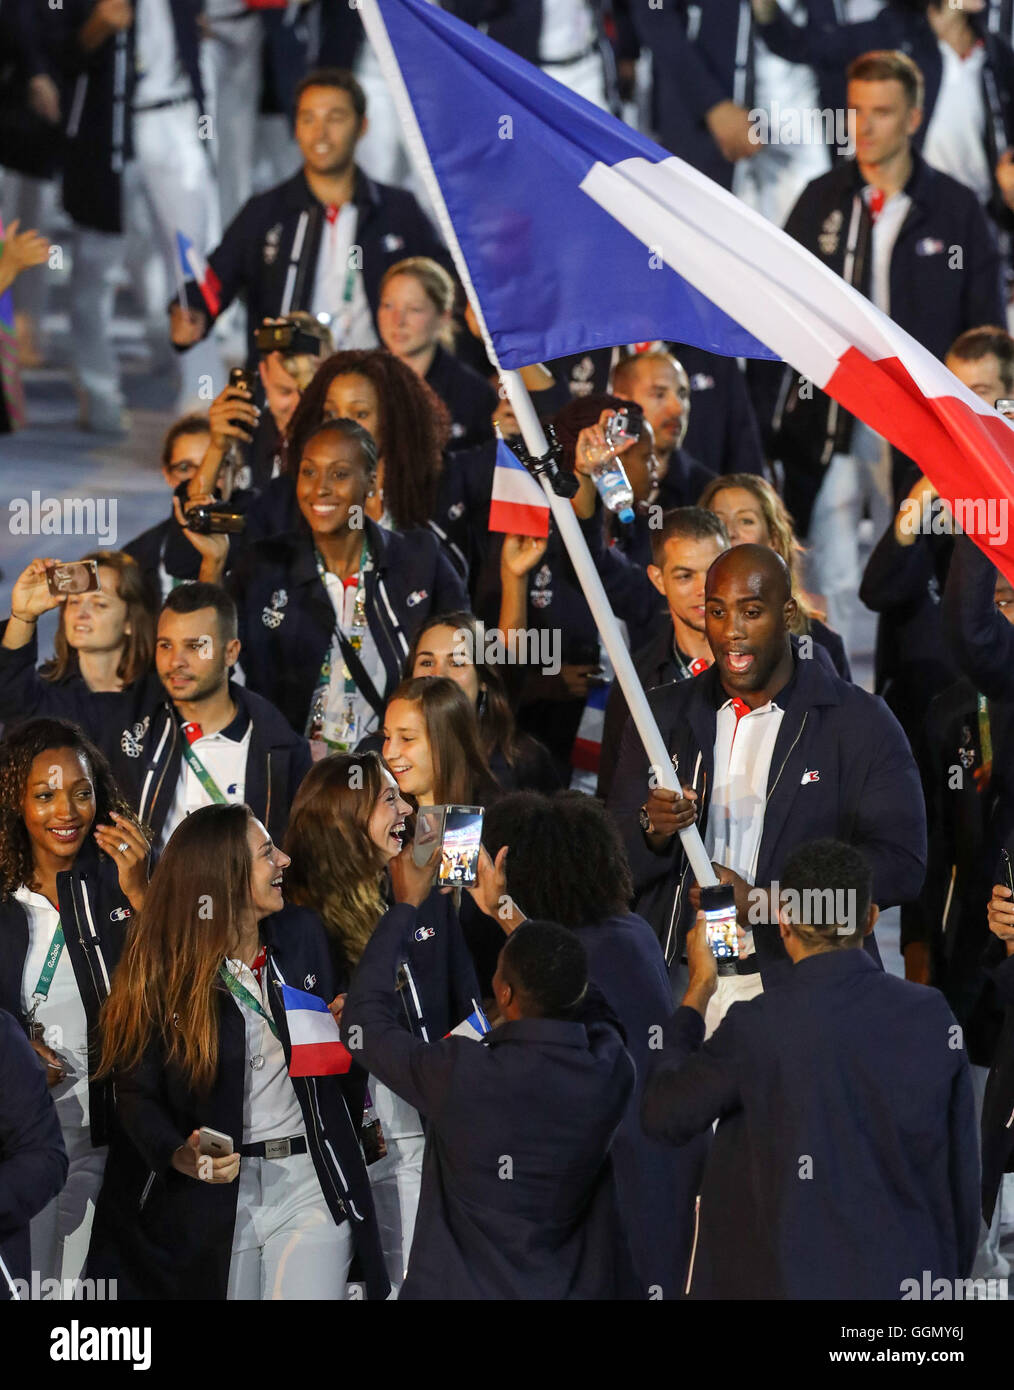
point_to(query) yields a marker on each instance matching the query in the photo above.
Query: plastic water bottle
(610, 477)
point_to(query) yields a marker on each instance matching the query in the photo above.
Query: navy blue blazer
(867, 792)
(286, 620)
(95, 916)
(139, 731)
(33, 1159)
(518, 1197)
(656, 1185)
(845, 1160)
(278, 231)
(164, 1235)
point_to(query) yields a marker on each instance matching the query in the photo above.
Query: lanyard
(985, 737)
(41, 991)
(243, 996)
(355, 642)
(203, 775)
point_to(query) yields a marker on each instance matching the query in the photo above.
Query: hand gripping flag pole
(662, 770)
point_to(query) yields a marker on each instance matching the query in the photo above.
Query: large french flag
(317, 1048)
(196, 267)
(573, 231)
(518, 505)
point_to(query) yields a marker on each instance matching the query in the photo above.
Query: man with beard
(185, 735)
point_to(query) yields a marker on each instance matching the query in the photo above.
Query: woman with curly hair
(410, 425)
(752, 511)
(561, 859)
(327, 612)
(348, 823)
(73, 870)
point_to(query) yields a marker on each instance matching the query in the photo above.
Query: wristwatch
(644, 821)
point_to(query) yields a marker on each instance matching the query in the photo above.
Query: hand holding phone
(192, 1162)
(719, 907)
(460, 845)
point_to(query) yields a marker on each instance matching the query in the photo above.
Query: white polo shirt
(338, 289)
(744, 744)
(225, 756)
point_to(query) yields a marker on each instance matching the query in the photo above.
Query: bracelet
(20, 619)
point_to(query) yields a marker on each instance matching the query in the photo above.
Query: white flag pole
(663, 772)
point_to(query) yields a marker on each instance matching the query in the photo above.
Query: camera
(214, 519)
(296, 336)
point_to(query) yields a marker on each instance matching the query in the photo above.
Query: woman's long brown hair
(164, 985)
(336, 869)
(139, 643)
(460, 769)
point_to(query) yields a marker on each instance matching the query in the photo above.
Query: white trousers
(286, 1244)
(61, 1231)
(852, 483)
(396, 1181)
(167, 187)
(232, 63)
(585, 78)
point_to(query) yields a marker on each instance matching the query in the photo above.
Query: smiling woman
(208, 1048)
(59, 807)
(327, 611)
(346, 830)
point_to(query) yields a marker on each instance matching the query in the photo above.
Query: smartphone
(240, 376)
(460, 845)
(618, 429)
(210, 1141)
(1008, 871)
(75, 577)
(719, 907)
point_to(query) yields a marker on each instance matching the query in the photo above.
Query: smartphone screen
(719, 909)
(75, 577)
(459, 858)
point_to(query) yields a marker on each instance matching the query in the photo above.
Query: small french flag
(317, 1048)
(518, 506)
(475, 1026)
(195, 266)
